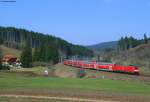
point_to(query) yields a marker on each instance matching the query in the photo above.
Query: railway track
(91, 73)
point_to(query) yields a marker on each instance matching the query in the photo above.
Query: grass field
(23, 82)
(10, 81)
(36, 70)
(6, 50)
(6, 99)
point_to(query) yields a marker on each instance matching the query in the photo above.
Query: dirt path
(54, 98)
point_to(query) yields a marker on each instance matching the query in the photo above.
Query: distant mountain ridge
(103, 45)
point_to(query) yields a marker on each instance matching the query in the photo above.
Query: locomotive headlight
(136, 70)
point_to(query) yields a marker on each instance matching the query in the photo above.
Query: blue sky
(80, 21)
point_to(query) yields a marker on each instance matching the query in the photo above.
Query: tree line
(38, 46)
(126, 43)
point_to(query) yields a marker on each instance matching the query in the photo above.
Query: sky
(83, 22)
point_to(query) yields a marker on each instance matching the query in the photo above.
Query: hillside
(104, 45)
(138, 56)
(6, 50)
(140, 52)
(46, 47)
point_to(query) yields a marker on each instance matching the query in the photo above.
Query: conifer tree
(145, 39)
(1, 41)
(55, 55)
(126, 44)
(121, 44)
(36, 55)
(26, 56)
(42, 51)
(0, 59)
(51, 54)
(131, 42)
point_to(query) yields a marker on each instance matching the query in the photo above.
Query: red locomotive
(102, 66)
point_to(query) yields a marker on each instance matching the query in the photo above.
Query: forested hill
(45, 46)
(126, 43)
(104, 45)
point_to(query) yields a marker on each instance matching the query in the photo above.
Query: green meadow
(14, 81)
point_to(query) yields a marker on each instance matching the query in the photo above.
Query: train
(102, 66)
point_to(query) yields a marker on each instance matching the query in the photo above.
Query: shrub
(81, 73)
(0, 66)
(4, 67)
(43, 64)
